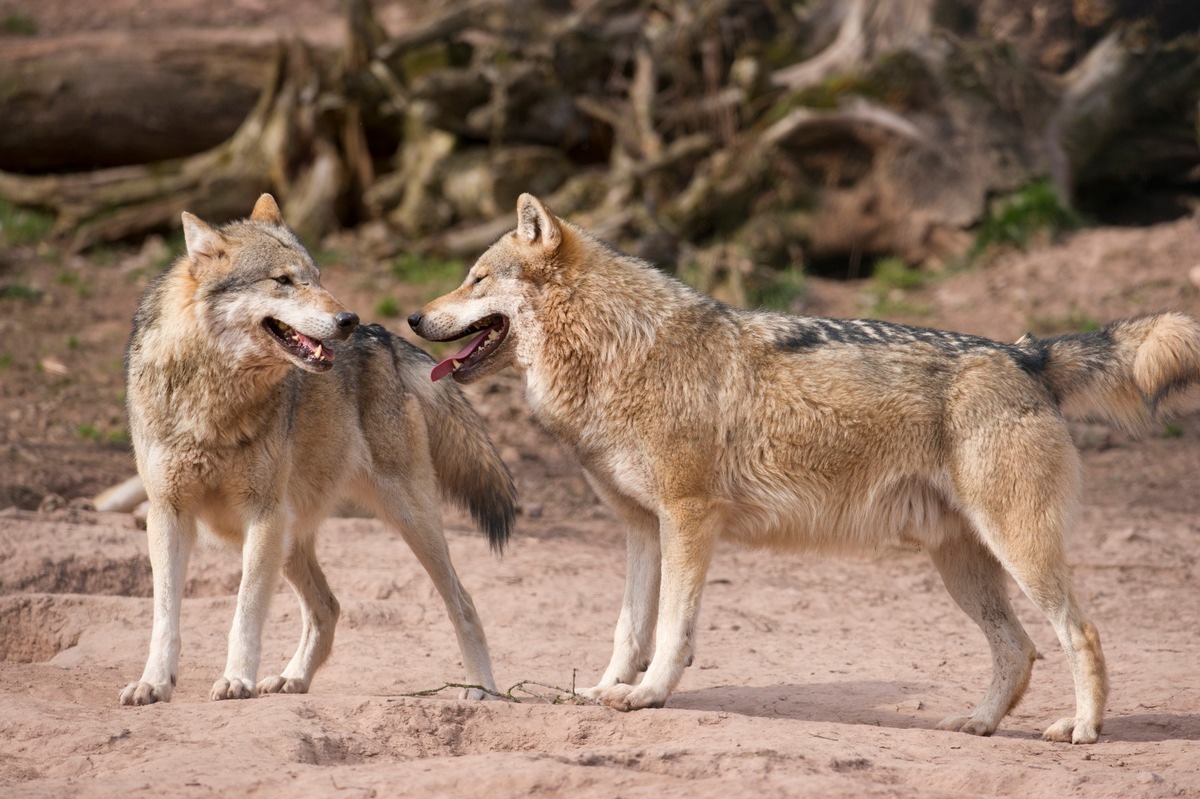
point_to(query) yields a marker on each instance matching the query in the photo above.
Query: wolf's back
(1128, 371)
(469, 469)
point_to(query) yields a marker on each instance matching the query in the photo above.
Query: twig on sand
(561, 696)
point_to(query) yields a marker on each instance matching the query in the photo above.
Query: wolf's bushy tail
(1128, 371)
(469, 469)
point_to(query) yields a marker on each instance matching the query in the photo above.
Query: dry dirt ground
(813, 676)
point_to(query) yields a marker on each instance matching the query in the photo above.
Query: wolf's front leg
(633, 642)
(171, 537)
(262, 558)
(686, 540)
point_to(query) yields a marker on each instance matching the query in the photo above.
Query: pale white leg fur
(319, 610)
(688, 530)
(634, 637)
(171, 539)
(262, 558)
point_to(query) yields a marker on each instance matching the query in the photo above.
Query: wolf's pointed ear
(267, 210)
(202, 241)
(535, 223)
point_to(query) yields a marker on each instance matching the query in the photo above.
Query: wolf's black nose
(414, 319)
(346, 321)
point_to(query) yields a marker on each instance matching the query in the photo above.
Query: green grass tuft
(892, 273)
(18, 24)
(1074, 321)
(435, 276)
(19, 225)
(890, 278)
(776, 290)
(1015, 219)
(420, 269)
(19, 292)
(88, 432)
(387, 307)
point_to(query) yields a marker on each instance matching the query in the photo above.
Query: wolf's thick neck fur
(207, 380)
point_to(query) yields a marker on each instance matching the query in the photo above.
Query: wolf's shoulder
(151, 305)
(152, 312)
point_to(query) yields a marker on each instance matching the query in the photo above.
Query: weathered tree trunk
(220, 183)
(1126, 79)
(105, 99)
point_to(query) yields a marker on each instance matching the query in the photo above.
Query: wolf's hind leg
(413, 509)
(633, 641)
(171, 539)
(1018, 484)
(319, 611)
(975, 579)
(1036, 563)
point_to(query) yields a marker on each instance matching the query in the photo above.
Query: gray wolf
(256, 402)
(696, 421)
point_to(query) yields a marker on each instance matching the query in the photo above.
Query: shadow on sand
(902, 706)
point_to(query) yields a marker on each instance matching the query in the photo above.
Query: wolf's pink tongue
(447, 366)
(310, 346)
(441, 370)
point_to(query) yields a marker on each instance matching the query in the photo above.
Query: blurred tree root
(220, 183)
(711, 135)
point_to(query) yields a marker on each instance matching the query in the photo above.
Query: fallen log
(105, 99)
(219, 183)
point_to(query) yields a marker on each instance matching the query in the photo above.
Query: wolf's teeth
(319, 352)
(456, 364)
(492, 336)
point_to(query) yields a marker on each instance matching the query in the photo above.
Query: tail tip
(498, 527)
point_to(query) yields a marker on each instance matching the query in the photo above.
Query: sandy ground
(813, 676)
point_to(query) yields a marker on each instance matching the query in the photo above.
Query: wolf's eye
(283, 280)
(475, 281)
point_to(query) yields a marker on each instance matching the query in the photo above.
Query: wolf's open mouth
(306, 349)
(492, 331)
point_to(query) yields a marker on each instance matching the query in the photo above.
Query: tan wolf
(697, 421)
(256, 402)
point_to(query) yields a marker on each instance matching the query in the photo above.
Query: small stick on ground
(562, 696)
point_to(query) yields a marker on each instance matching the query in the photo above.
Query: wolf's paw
(630, 697)
(281, 685)
(968, 724)
(144, 693)
(475, 694)
(1071, 730)
(236, 688)
(594, 692)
